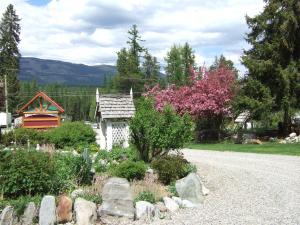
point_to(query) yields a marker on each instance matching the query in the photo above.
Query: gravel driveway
(245, 189)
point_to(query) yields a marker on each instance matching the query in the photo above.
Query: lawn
(266, 148)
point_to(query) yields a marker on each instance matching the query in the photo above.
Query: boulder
(85, 212)
(117, 198)
(177, 200)
(29, 214)
(47, 215)
(171, 205)
(7, 216)
(292, 135)
(144, 209)
(190, 188)
(64, 209)
(187, 204)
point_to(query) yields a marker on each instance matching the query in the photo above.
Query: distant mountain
(46, 71)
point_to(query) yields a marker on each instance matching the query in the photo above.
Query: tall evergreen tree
(135, 49)
(179, 60)
(274, 59)
(174, 66)
(188, 60)
(150, 69)
(9, 54)
(222, 61)
(128, 64)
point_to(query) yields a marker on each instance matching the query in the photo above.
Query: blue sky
(92, 31)
(38, 2)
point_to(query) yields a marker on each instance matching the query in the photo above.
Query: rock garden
(77, 183)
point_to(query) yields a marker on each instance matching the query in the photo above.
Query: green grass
(266, 148)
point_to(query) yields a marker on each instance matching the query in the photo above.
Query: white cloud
(91, 31)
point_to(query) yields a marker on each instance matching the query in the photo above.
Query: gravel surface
(245, 189)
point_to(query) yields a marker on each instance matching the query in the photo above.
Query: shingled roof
(114, 106)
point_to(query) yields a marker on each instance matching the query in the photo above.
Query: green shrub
(66, 171)
(20, 203)
(121, 154)
(190, 168)
(170, 168)
(106, 158)
(145, 196)
(156, 133)
(83, 169)
(172, 189)
(130, 170)
(24, 172)
(71, 134)
(22, 135)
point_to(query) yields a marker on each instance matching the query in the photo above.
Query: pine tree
(179, 61)
(128, 64)
(222, 61)
(150, 69)
(188, 60)
(174, 68)
(135, 47)
(274, 59)
(9, 54)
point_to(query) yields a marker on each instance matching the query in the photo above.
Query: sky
(93, 31)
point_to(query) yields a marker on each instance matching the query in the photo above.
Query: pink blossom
(209, 93)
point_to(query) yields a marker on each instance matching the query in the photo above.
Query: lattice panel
(118, 133)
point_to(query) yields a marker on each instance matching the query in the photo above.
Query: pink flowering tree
(208, 95)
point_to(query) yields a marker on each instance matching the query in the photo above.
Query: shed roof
(243, 117)
(114, 106)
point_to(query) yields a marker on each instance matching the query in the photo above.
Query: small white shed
(113, 112)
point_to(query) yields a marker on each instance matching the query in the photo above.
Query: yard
(266, 148)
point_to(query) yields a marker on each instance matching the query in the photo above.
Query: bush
(170, 168)
(71, 134)
(130, 170)
(145, 196)
(106, 158)
(25, 172)
(156, 133)
(66, 171)
(22, 135)
(83, 169)
(20, 203)
(172, 189)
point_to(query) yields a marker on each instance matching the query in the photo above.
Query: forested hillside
(45, 71)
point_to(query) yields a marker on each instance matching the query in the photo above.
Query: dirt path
(245, 189)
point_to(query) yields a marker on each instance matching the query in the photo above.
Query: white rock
(170, 204)
(47, 214)
(7, 216)
(190, 188)
(117, 198)
(292, 135)
(144, 209)
(85, 212)
(29, 214)
(177, 200)
(187, 204)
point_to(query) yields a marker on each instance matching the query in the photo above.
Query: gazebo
(41, 112)
(113, 112)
